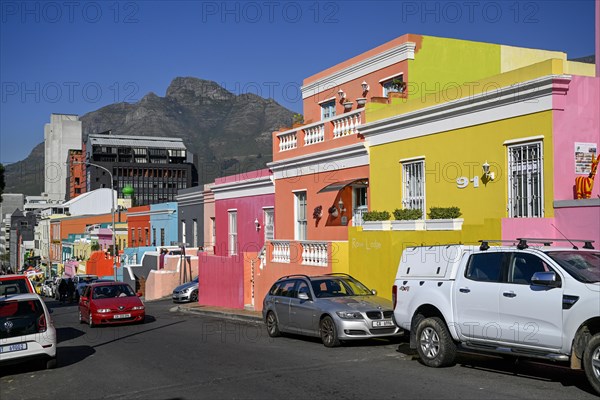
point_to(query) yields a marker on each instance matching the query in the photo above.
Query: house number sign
(462, 182)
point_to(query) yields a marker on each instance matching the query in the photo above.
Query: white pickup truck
(541, 302)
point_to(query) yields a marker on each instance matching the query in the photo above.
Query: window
(232, 248)
(391, 85)
(525, 189)
(183, 233)
(268, 223)
(147, 237)
(162, 236)
(359, 200)
(213, 230)
(300, 213)
(139, 237)
(132, 237)
(485, 267)
(523, 266)
(328, 109)
(413, 186)
(153, 236)
(195, 233)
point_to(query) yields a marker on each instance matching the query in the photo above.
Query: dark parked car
(334, 307)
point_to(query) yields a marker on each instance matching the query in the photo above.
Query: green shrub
(376, 216)
(407, 214)
(444, 212)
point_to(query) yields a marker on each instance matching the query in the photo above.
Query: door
(476, 294)
(281, 302)
(302, 311)
(84, 305)
(530, 315)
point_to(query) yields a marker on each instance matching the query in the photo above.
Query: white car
(26, 330)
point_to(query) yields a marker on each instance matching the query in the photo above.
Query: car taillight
(41, 323)
(394, 296)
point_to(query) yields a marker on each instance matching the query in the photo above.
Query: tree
(2, 183)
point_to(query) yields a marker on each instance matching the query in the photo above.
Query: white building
(62, 134)
(10, 203)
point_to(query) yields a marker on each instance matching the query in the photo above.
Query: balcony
(339, 126)
(306, 252)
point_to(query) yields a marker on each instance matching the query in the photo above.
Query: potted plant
(444, 219)
(297, 120)
(399, 85)
(376, 221)
(348, 105)
(318, 212)
(361, 101)
(408, 219)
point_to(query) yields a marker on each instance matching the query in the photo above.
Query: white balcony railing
(281, 252)
(314, 253)
(314, 134)
(288, 141)
(346, 124)
(357, 216)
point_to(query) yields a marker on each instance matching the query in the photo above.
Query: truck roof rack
(587, 243)
(485, 243)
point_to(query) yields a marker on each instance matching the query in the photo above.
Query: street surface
(185, 356)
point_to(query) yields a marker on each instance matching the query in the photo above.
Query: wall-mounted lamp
(257, 224)
(486, 171)
(341, 205)
(365, 86)
(341, 94)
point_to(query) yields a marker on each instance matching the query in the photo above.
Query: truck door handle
(509, 294)
(464, 290)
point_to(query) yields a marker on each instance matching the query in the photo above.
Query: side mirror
(545, 279)
(374, 292)
(303, 296)
(138, 294)
(83, 298)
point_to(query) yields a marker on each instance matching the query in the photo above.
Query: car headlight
(137, 308)
(103, 310)
(349, 315)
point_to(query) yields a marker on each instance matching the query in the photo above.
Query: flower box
(444, 224)
(409, 225)
(377, 225)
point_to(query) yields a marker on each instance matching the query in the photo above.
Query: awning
(337, 186)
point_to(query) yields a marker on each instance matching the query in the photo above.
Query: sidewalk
(219, 312)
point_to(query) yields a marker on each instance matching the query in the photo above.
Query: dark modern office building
(155, 167)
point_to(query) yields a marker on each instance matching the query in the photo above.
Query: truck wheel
(434, 343)
(591, 362)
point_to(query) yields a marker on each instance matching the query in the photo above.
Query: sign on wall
(584, 154)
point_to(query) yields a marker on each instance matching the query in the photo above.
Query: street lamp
(112, 211)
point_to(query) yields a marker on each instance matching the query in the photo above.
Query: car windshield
(338, 287)
(16, 285)
(20, 317)
(581, 265)
(108, 292)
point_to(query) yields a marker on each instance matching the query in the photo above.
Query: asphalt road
(185, 356)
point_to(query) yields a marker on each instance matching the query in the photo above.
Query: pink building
(576, 136)
(243, 220)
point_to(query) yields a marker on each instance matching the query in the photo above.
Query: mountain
(227, 133)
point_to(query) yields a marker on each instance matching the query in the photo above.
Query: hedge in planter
(444, 213)
(407, 214)
(376, 216)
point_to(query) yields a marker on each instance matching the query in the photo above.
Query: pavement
(219, 312)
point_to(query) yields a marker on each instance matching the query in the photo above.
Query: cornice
(389, 57)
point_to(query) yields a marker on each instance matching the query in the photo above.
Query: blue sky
(75, 57)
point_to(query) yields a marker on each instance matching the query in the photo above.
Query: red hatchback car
(110, 303)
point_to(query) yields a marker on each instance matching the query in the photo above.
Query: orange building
(76, 181)
(138, 227)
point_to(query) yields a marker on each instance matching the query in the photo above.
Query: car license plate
(13, 347)
(378, 324)
(119, 316)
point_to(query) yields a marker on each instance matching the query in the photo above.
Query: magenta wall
(221, 281)
(579, 122)
(248, 209)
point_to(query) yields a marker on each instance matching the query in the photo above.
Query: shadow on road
(65, 334)
(65, 356)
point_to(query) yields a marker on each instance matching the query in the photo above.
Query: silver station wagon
(334, 307)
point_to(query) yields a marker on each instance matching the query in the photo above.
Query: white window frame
(413, 185)
(232, 232)
(213, 231)
(327, 109)
(525, 196)
(358, 209)
(386, 82)
(300, 219)
(183, 233)
(195, 233)
(269, 223)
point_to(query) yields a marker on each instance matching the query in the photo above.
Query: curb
(218, 314)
